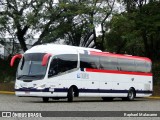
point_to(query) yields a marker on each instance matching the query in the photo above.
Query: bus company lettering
(83, 75)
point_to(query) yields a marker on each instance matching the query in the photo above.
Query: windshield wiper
(25, 76)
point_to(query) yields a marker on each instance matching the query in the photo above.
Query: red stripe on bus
(119, 56)
(118, 72)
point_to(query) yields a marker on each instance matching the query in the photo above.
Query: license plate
(27, 93)
(51, 89)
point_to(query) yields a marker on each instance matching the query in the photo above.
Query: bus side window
(89, 61)
(67, 62)
(141, 66)
(62, 63)
(108, 63)
(126, 64)
(148, 67)
(53, 70)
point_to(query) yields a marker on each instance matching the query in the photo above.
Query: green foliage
(156, 72)
(7, 73)
(71, 20)
(122, 37)
(136, 33)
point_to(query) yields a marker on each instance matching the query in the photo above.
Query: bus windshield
(30, 67)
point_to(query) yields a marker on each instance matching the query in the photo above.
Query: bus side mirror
(45, 59)
(14, 58)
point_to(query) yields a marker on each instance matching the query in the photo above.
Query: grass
(7, 87)
(156, 90)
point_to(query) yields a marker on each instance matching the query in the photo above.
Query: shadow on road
(80, 100)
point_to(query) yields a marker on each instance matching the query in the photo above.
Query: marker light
(41, 86)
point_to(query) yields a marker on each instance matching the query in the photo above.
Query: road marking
(6, 92)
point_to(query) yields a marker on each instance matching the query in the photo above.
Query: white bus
(62, 71)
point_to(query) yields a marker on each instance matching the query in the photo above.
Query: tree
(81, 19)
(71, 20)
(23, 19)
(108, 12)
(149, 26)
(139, 31)
(122, 38)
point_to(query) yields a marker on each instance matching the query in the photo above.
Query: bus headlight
(16, 87)
(41, 86)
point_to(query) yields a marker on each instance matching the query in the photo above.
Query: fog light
(41, 86)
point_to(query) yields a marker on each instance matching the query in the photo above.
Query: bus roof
(57, 48)
(65, 49)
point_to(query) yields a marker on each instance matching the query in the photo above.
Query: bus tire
(45, 99)
(70, 95)
(107, 98)
(131, 95)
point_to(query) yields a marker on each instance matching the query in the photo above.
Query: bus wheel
(70, 95)
(131, 95)
(107, 98)
(45, 99)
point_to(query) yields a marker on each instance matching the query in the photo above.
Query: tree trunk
(20, 35)
(146, 45)
(22, 41)
(103, 36)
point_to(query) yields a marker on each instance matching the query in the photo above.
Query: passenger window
(148, 66)
(88, 61)
(62, 63)
(126, 65)
(108, 63)
(141, 66)
(53, 70)
(67, 62)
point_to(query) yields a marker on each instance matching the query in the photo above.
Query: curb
(7, 92)
(12, 93)
(154, 97)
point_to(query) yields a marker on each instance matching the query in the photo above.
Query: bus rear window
(143, 66)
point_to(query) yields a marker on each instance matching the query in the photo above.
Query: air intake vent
(27, 80)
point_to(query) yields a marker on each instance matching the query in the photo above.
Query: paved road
(13, 103)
